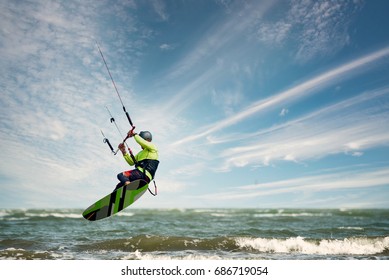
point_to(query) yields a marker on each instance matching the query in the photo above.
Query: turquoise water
(274, 234)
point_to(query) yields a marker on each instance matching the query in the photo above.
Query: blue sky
(251, 103)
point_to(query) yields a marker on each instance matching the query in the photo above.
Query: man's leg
(124, 179)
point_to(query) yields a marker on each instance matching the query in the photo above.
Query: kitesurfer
(146, 161)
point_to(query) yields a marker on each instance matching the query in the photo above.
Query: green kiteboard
(115, 201)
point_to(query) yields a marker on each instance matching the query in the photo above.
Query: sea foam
(347, 246)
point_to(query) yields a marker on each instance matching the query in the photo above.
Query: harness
(150, 165)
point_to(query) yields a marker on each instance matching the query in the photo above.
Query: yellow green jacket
(146, 159)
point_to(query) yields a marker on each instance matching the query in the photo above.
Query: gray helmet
(146, 135)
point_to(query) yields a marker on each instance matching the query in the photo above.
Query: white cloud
(167, 47)
(297, 92)
(346, 127)
(283, 112)
(274, 33)
(227, 100)
(192, 170)
(328, 182)
(160, 8)
(311, 28)
(212, 46)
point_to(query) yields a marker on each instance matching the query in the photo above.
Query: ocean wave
(184, 255)
(55, 215)
(351, 228)
(347, 246)
(20, 214)
(126, 214)
(21, 254)
(293, 245)
(291, 213)
(144, 247)
(147, 243)
(303, 214)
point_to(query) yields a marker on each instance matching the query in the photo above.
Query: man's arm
(129, 159)
(144, 143)
(126, 156)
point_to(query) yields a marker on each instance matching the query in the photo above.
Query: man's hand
(122, 148)
(131, 133)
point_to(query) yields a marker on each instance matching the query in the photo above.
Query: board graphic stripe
(121, 202)
(117, 199)
(111, 203)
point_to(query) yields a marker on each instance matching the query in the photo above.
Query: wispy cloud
(209, 61)
(324, 26)
(304, 89)
(283, 112)
(160, 9)
(199, 67)
(350, 127)
(311, 28)
(227, 100)
(273, 33)
(320, 183)
(167, 47)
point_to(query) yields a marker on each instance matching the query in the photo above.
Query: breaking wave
(347, 246)
(298, 245)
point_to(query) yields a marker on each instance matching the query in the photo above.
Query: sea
(196, 234)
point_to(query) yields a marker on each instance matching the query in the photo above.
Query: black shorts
(134, 174)
(130, 176)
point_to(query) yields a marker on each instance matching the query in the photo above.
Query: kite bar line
(105, 140)
(114, 85)
(113, 120)
(124, 109)
(124, 140)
